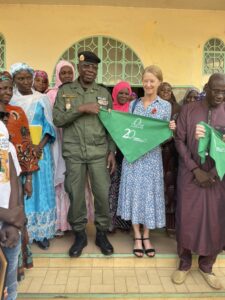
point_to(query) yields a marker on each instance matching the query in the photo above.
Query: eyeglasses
(217, 92)
(4, 114)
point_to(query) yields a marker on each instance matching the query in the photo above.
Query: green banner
(213, 145)
(134, 135)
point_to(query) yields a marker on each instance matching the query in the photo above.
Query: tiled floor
(121, 276)
(95, 279)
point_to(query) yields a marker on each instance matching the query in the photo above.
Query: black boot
(79, 244)
(103, 243)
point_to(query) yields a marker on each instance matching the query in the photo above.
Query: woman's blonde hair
(155, 70)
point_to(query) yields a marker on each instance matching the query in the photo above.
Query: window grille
(118, 61)
(214, 56)
(2, 53)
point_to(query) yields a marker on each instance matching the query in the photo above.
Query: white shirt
(5, 148)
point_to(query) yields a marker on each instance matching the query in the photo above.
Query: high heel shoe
(140, 251)
(149, 250)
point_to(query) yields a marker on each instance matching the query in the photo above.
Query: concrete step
(122, 276)
(116, 260)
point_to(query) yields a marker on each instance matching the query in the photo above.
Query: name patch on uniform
(102, 101)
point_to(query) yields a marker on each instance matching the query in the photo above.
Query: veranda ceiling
(172, 4)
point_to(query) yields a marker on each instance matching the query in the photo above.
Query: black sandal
(148, 251)
(136, 251)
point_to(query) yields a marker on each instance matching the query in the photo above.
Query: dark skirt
(116, 221)
(170, 166)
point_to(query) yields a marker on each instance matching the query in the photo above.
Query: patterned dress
(115, 221)
(141, 195)
(19, 133)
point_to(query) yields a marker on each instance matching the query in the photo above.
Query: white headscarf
(20, 66)
(29, 102)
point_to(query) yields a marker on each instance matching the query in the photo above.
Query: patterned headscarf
(118, 87)
(17, 67)
(40, 73)
(4, 76)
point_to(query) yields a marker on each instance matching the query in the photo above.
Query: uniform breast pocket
(100, 141)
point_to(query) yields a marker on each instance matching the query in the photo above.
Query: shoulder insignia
(101, 84)
(104, 86)
(64, 84)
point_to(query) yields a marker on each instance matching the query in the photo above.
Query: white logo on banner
(131, 133)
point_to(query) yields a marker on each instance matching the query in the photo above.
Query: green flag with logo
(134, 135)
(212, 144)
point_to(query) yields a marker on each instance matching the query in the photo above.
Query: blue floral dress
(141, 194)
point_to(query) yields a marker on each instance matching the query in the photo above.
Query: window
(2, 53)
(214, 56)
(118, 61)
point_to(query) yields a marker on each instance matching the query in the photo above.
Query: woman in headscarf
(40, 207)
(64, 73)
(165, 92)
(121, 99)
(133, 96)
(170, 160)
(19, 132)
(41, 82)
(191, 95)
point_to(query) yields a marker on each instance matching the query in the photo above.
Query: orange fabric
(19, 133)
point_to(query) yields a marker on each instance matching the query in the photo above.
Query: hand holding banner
(134, 135)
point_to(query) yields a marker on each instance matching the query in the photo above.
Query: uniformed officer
(86, 147)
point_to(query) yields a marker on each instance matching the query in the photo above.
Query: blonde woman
(141, 196)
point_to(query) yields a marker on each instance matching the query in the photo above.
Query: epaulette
(64, 84)
(101, 84)
(104, 86)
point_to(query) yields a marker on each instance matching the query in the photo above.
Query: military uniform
(86, 145)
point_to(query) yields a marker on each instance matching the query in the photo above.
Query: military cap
(88, 56)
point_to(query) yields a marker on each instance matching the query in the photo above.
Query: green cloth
(213, 145)
(134, 135)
